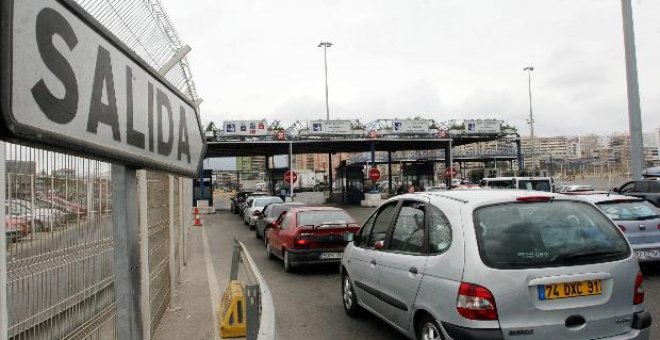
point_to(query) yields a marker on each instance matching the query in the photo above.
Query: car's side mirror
(349, 237)
(615, 189)
(379, 245)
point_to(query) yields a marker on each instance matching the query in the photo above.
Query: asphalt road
(308, 303)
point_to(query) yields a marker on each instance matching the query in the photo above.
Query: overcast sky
(440, 59)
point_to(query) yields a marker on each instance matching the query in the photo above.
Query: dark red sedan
(309, 235)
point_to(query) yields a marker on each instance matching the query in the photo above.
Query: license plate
(647, 254)
(325, 256)
(569, 289)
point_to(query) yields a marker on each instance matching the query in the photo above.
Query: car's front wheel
(427, 329)
(351, 306)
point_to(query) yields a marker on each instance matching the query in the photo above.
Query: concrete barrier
(311, 198)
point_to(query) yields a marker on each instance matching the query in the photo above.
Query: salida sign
(68, 84)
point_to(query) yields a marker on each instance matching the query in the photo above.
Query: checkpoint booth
(276, 184)
(350, 183)
(419, 174)
(203, 187)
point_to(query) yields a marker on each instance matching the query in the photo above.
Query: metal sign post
(126, 231)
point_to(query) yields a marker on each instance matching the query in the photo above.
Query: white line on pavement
(213, 282)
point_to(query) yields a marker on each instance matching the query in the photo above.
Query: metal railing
(60, 245)
(260, 311)
(60, 279)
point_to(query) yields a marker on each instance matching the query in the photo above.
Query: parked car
(270, 214)
(495, 264)
(309, 235)
(45, 217)
(16, 226)
(648, 189)
(522, 183)
(637, 218)
(255, 208)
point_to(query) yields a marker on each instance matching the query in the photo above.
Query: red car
(309, 235)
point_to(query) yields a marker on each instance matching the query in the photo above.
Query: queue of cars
(297, 234)
(483, 264)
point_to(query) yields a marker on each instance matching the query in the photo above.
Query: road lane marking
(214, 289)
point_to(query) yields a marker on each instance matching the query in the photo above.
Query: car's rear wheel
(288, 266)
(265, 237)
(256, 233)
(427, 329)
(351, 306)
(269, 252)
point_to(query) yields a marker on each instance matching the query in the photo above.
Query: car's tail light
(621, 227)
(302, 240)
(639, 290)
(658, 226)
(475, 302)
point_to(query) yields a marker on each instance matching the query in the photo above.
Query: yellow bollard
(232, 312)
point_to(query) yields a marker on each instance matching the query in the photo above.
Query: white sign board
(330, 127)
(483, 126)
(69, 85)
(410, 126)
(245, 128)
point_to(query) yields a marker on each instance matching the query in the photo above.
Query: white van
(522, 183)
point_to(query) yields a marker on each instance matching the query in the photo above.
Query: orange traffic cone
(198, 222)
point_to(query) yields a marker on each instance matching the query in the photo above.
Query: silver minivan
(495, 264)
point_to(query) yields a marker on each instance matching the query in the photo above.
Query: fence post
(182, 243)
(3, 250)
(128, 264)
(172, 236)
(143, 208)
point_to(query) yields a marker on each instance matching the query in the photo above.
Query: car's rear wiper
(584, 255)
(650, 217)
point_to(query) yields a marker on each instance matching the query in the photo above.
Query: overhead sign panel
(245, 128)
(330, 127)
(410, 126)
(67, 84)
(483, 126)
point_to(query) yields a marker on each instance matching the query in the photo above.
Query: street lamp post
(325, 45)
(530, 121)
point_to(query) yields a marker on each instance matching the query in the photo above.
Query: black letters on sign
(58, 110)
(99, 112)
(133, 137)
(184, 141)
(162, 101)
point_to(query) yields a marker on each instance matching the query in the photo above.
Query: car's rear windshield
(262, 202)
(546, 234)
(537, 185)
(323, 217)
(499, 184)
(629, 210)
